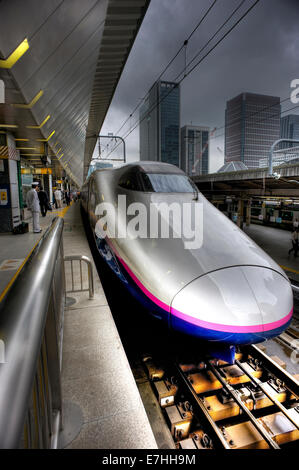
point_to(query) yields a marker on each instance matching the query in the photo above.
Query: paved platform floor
(276, 243)
(14, 249)
(96, 374)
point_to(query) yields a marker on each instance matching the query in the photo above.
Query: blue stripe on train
(174, 322)
(221, 336)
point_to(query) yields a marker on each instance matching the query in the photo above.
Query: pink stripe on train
(232, 328)
(197, 321)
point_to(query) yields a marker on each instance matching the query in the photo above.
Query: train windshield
(167, 183)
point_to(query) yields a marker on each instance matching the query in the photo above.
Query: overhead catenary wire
(171, 60)
(218, 30)
(191, 70)
(220, 40)
(186, 65)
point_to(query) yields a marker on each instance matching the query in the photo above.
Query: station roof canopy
(60, 62)
(232, 166)
(252, 182)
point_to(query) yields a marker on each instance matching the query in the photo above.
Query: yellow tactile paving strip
(291, 270)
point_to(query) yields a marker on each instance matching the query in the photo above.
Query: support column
(240, 213)
(248, 213)
(10, 211)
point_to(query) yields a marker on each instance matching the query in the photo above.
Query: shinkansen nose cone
(236, 305)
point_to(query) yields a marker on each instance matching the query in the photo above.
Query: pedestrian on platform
(58, 198)
(294, 243)
(33, 205)
(43, 201)
(295, 224)
(67, 198)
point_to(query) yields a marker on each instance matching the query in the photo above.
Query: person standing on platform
(295, 224)
(67, 197)
(33, 205)
(294, 243)
(58, 197)
(43, 201)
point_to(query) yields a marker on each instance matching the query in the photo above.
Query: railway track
(289, 340)
(209, 404)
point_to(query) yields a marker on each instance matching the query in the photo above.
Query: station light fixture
(47, 139)
(15, 55)
(32, 102)
(41, 125)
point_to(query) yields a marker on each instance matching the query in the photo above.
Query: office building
(160, 124)
(252, 124)
(195, 147)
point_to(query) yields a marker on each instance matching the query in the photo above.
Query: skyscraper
(160, 124)
(195, 143)
(252, 124)
(289, 129)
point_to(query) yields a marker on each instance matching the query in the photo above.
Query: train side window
(130, 181)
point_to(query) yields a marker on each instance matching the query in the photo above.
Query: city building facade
(159, 129)
(195, 148)
(252, 124)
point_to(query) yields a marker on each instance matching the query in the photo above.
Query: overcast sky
(261, 55)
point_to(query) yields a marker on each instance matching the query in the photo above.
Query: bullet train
(224, 290)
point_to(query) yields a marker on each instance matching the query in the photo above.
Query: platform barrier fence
(31, 329)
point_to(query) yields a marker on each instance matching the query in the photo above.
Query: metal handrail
(270, 171)
(80, 258)
(23, 317)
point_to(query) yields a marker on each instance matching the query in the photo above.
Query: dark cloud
(260, 55)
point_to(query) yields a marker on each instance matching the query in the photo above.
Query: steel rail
(259, 384)
(215, 433)
(23, 315)
(244, 408)
(289, 381)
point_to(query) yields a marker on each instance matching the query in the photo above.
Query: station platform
(96, 378)
(95, 371)
(15, 249)
(276, 243)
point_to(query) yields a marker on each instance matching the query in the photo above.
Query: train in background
(226, 292)
(276, 212)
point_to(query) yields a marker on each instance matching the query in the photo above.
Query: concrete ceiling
(77, 51)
